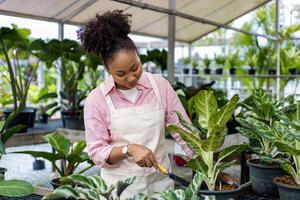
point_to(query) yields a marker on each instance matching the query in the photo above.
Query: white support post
(171, 41)
(41, 77)
(59, 75)
(277, 51)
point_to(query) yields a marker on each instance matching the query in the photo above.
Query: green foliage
(72, 154)
(156, 56)
(15, 188)
(89, 188)
(209, 137)
(260, 114)
(206, 62)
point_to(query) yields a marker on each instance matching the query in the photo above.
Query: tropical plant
(89, 188)
(220, 60)
(286, 137)
(251, 58)
(206, 62)
(261, 112)
(206, 140)
(11, 188)
(19, 54)
(156, 56)
(71, 154)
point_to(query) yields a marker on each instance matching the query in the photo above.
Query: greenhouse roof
(145, 21)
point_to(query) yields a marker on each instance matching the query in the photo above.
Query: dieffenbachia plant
(262, 111)
(287, 139)
(89, 188)
(210, 137)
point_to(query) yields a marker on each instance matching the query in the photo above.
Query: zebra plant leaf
(206, 106)
(193, 189)
(193, 129)
(81, 181)
(172, 195)
(191, 139)
(64, 191)
(197, 164)
(288, 168)
(231, 150)
(212, 143)
(285, 147)
(219, 119)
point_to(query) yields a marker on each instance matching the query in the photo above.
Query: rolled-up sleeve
(174, 104)
(97, 135)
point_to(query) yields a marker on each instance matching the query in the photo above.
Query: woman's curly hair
(107, 34)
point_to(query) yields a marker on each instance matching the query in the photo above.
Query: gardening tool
(172, 176)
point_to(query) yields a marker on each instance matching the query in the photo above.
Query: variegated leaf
(65, 191)
(232, 150)
(189, 126)
(288, 168)
(197, 164)
(193, 189)
(206, 106)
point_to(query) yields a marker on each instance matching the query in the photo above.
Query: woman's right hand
(142, 155)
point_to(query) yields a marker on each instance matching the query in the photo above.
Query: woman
(125, 116)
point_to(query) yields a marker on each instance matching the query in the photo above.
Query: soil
(225, 187)
(289, 180)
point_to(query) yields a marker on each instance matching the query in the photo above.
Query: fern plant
(206, 140)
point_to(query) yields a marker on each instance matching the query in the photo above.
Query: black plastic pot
(2, 170)
(293, 71)
(195, 71)
(232, 71)
(219, 71)
(38, 164)
(43, 118)
(206, 71)
(72, 122)
(272, 71)
(288, 192)
(23, 118)
(186, 70)
(251, 71)
(220, 195)
(261, 177)
(55, 183)
(31, 117)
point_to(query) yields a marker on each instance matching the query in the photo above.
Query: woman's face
(125, 68)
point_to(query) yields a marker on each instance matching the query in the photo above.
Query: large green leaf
(191, 139)
(9, 132)
(213, 142)
(219, 119)
(80, 180)
(206, 106)
(15, 188)
(59, 142)
(79, 147)
(172, 195)
(46, 155)
(231, 150)
(189, 126)
(285, 147)
(223, 165)
(197, 164)
(65, 191)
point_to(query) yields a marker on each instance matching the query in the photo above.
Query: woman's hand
(142, 155)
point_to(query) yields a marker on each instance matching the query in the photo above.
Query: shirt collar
(143, 82)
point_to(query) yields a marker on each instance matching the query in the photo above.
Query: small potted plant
(89, 188)
(195, 65)
(220, 61)
(70, 154)
(233, 62)
(262, 111)
(251, 61)
(207, 140)
(158, 57)
(287, 139)
(186, 62)
(206, 62)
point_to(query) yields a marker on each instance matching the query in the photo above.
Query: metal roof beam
(190, 17)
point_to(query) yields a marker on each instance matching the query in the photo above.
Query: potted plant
(185, 61)
(207, 140)
(89, 188)
(70, 154)
(257, 123)
(220, 61)
(21, 65)
(233, 62)
(287, 139)
(289, 60)
(195, 65)
(251, 61)
(11, 188)
(206, 62)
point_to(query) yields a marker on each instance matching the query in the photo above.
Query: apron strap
(155, 88)
(107, 98)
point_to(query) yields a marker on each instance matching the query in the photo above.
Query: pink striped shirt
(97, 114)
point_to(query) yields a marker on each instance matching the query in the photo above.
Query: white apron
(145, 125)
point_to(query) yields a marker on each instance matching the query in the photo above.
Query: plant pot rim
(258, 165)
(25, 110)
(3, 169)
(208, 192)
(292, 187)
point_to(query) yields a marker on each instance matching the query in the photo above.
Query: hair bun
(101, 33)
